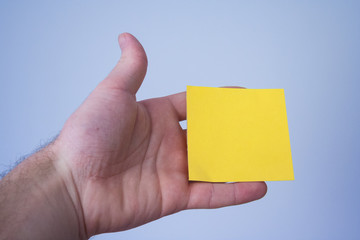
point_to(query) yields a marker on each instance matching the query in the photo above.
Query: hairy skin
(124, 163)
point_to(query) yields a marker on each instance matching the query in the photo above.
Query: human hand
(124, 163)
(129, 159)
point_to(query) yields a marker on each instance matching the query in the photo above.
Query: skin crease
(125, 162)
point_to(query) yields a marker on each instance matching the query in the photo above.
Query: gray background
(52, 54)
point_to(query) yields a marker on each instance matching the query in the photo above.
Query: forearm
(37, 203)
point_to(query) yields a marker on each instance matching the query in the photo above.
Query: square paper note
(237, 135)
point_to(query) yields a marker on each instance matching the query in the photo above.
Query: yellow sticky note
(237, 135)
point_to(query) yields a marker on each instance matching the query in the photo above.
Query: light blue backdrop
(52, 54)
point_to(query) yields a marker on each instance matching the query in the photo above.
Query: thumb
(130, 71)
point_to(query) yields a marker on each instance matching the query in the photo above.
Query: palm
(129, 158)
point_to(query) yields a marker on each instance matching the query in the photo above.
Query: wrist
(71, 189)
(38, 200)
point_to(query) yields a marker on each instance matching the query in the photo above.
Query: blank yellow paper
(237, 135)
